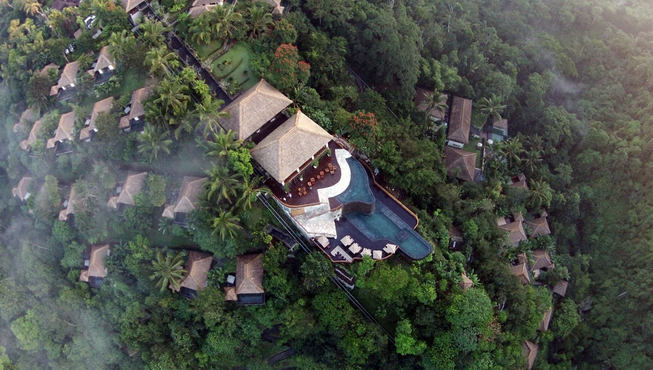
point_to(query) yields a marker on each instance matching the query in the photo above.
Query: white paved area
(345, 177)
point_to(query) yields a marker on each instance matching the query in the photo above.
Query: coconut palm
(434, 101)
(540, 194)
(173, 99)
(120, 44)
(511, 150)
(168, 271)
(199, 30)
(492, 106)
(152, 142)
(161, 61)
(532, 161)
(209, 115)
(153, 32)
(225, 224)
(248, 190)
(224, 142)
(222, 185)
(223, 22)
(33, 7)
(260, 20)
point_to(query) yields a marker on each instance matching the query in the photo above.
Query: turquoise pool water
(359, 186)
(383, 224)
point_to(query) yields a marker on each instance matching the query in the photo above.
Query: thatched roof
(96, 266)
(529, 350)
(542, 260)
(521, 271)
(28, 115)
(291, 145)
(21, 190)
(198, 266)
(137, 109)
(561, 288)
(102, 106)
(466, 282)
(501, 123)
(230, 293)
(33, 136)
(538, 227)
(515, 230)
(253, 109)
(422, 103)
(460, 163)
(104, 60)
(249, 274)
(45, 70)
(519, 182)
(191, 189)
(64, 130)
(276, 4)
(130, 5)
(70, 208)
(196, 11)
(133, 185)
(546, 319)
(68, 77)
(460, 120)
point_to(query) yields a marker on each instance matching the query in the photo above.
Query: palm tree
(225, 225)
(152, 142)
(161, 61)
(249, 188)
(199, 30)
(33, 7)
(511, 150)
(120, 44)
(434, 101)
(153, 32)
(540, 194)
(172, 100)
(492, 107)
(222, 184)
(532, 161)
(223, 22)
(224, 142)
(209, 115)
(259, 19)
(168, 271)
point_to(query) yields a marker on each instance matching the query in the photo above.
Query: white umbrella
(377, 255)
(323, 241)
(390, 248)
(346, 240)
(366, 252)
(355, 248)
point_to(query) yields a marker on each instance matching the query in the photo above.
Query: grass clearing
(207, 49)
(234, 67)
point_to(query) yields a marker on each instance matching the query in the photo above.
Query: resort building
(519, 182)
(134, 9)
(187, 201)
(200, 7)
(32, 137)
(89, 129)
(541, 262)
(424, 104)
(28, 116)
(461, 164)
(460, 119)
(95, 270)
(103, 67)
(546, 319)
(134, 118)
(63, 135)
(514, 227)
(529, 350)
(132, 186)
(561, 288)
(68, 211)
(498, 130)
(198, 266)
(539, 226)
(277, 9)
(21, 191)
(256, 112)
(67, 81)
(291, 148)
(248, 287)
(520, 269)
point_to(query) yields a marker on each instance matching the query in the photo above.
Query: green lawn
(234, 66)
(207, 49)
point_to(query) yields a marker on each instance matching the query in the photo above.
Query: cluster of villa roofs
(461, 162)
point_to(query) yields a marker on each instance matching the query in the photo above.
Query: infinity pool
(383, 225)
